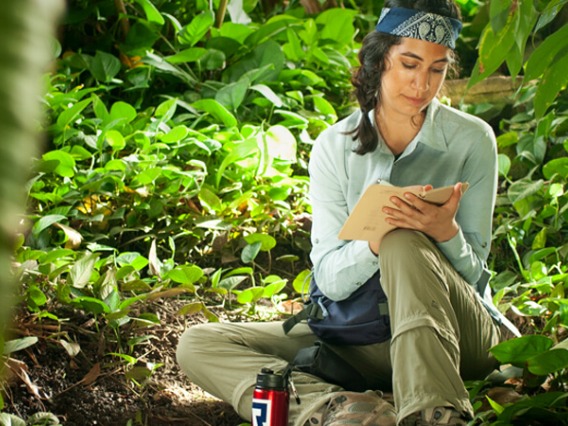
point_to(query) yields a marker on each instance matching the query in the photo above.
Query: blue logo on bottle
(261, 409)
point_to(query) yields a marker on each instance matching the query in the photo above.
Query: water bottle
(270, 399)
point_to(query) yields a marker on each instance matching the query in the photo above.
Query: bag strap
(310, 311)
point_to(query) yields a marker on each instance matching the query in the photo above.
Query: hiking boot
(441, 416)
(354, 408)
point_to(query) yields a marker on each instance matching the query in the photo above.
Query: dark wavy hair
(373, 60)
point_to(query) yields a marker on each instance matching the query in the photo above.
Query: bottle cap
(267, 379)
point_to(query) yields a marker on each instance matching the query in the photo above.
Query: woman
(432, 267)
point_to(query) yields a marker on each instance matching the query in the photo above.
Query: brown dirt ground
(91, 389)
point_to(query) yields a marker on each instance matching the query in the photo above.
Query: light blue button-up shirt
(451, 147)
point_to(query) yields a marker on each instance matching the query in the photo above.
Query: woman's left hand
(436, 221)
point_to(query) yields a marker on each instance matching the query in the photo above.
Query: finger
(454, 200)
(406, 206)
(415, 202)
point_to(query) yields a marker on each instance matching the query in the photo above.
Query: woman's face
(415, 72)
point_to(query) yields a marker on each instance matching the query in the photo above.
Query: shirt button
(316, 241)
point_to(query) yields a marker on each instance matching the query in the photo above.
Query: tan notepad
(367, 220)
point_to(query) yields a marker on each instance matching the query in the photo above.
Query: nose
(421, 81)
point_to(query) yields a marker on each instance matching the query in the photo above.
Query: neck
(398, 130)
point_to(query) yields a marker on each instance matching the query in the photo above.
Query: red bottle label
(269, 408)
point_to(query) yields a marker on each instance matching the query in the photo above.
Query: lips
(415, 101)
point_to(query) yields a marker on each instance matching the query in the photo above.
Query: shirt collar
(431, 134)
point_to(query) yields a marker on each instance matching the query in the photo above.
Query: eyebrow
(415, 56)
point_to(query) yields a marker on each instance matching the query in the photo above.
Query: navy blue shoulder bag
(361, 319)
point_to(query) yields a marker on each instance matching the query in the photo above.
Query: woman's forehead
(425, 50)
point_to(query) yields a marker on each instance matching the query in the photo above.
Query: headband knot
(425, 26)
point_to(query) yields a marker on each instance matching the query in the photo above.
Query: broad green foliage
(176, 166)
(505, 39)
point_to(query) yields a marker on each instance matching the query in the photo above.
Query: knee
(192, 346)
(402, 244)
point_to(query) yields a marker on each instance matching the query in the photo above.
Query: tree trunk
(27, 29)
(498, 89)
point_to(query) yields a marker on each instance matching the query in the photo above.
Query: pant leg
(440, 330)
(224, 360)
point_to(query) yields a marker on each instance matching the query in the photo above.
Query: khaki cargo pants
(441, 334)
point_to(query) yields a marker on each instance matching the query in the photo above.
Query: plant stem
(124, 23)
(221, 13)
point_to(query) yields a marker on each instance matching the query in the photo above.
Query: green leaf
(192, 33)
(498, 13)
(337, 25)
(100, 109)
(524, 188)
(147, 176)
(185, 274)
(518, 351)
(301, 283)
(210, 200)
(496, 406)
(12, 346)
(527, 20)
(81, 271)
(272, 28)
(232, 95)
(494, 48)
(152, 13)
(238, 152)
(558, 166)
(548, 362)
(293, 49)
(128, 258)
(507, 139)
(191, 308)
(104, 66)
(549, 13)
(71, 114)
(274, 288)
(250, 295)
(65, 162)
(188, 55)
(177, 134)
(553, 80)
(166, 110)
(269, 94)
(267, 242)
(237, 32)
(213, 60)
(122, 112)
(230, 283)
(545, 53)
(161, 64)
(115, 140)
(504, 163)
(36, 296)
(129, 359)
(45, 222)
(281, 143)
(10, 419)
(250, 252)
(91, 304)
(218, 111)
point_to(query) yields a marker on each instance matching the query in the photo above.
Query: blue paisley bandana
(425, 26)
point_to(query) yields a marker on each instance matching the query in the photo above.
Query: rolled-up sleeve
(340, 266)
